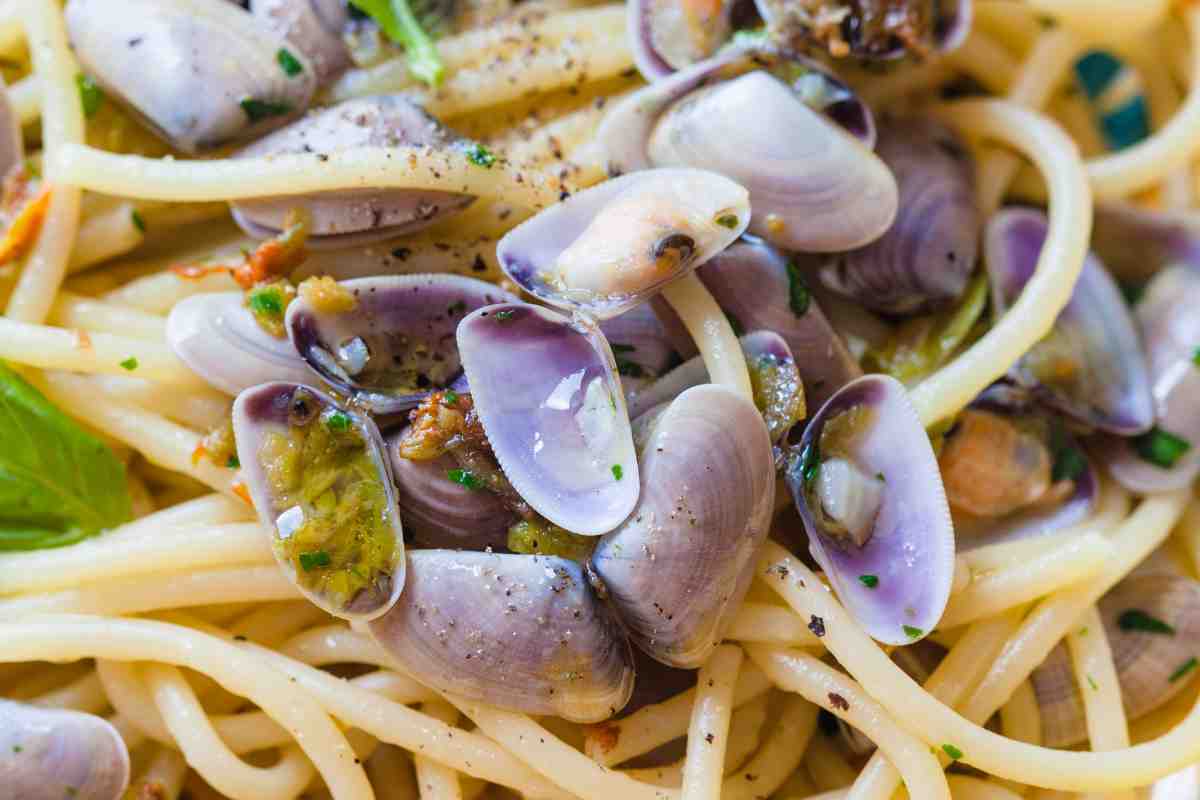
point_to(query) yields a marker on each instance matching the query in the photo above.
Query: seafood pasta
(686, 399)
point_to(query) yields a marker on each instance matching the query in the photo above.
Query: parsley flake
(290, 65)
(129, 364)
(1092, 682)
(1134, 619)
(869, 581)
(799, 297)
(258, 110)
(504, 316)
(617, 472)
(952, 751)
(912, 633)
(338, 421)
(480, 156)
(1069, 464)
(314, 560)
(449, 397)
(1184, 669)
(727, 221)
(464, 477)
(137, 221)
(91, 96)
(233, 462)
(1160, 448)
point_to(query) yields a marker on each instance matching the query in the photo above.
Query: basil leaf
(58, 483)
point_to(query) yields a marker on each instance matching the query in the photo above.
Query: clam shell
(217, 337)
(665, 36)
(354, 216)
(522, 632)
(314, 27)
(266, 409)
(605, 250)
(1090, 366)
(547, 393)
(407, 325)
(641, 345)
(910, 549)
(793, 24)
(682, 562)
(200, 73)
(1136, 242)
(48, 754)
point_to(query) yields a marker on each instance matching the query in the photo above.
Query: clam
(219, 339)
(882, 29)
(1090, 366)
(925, 259)
(866, 483)
(1153, 627)
(547, 392)
(320, 480)
(642, 346)
(314, 27)
(354, 216)
(48, 754)
(666, 35)
(1136, 242)
(681, 563)
(201, 73)
(608, 248)
(396, 344)
(1168, 456)
(441, 512)
(519, 631)
(763, 289)
(12, 146)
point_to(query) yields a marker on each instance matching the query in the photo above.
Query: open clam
(216, 76)
(666, 35)
(867, 486)
(314, 27)
(884, 29)
(48, 754)
(523, 632)
(683, 560)
(354, 216)
(321, 484)
(395, 343)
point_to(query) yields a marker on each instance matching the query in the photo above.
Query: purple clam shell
(518, 631)
(1094, 343)
(623, 136)
(911, 548)
(925, 259)
(312, 26)
(1169, 317)
(218, 338)
(641, 345)
(681, 564)
(263, 409)
(752, 282)
(648, 30)
(1137, 242)
(439, 512)
(547, 393)
(949, 29)
(405, 321)
(51, 753)
(353, 216)
(638, 27)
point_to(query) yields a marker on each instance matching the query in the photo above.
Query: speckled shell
(48, 754)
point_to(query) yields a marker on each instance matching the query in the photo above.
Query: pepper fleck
(817, 626)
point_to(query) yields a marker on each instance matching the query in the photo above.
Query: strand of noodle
(826, 766)
(990, 593)
(1021, 719)
(1096, 677)
(272, 624)
(162, 779)
(708, 733)
(436, 781)
(105, 236)
(158, 293)
(25, 96)
(207, 754)
(200, 409)
(1189, 536)
(964, 787)
(796, 671)
(1108, 19)
(336, 644)
(1012, 23)
(616, 741)
(1167, 150)
(62, 126)
(120, 555)
(1073, 771)
(130, 698)
(957, 673)
(58, 348)
(391, 774)
(168, 478)
(985, 60)
(780, 754)
(553, 758)
(1059, 263)
(448, 169)
(157, 438)
(768, 624)
(142, 593)
(710, 329)
(1075, 114)
(68, 638)
(85, 694)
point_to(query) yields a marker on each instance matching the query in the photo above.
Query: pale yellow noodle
(436, 781)
(779, 755)
(708, 733)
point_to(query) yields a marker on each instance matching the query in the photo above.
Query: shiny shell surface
(49, 754)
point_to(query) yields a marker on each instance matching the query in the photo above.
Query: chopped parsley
(1069, 464)
(137, 221)
(1092, 682)
(1184, 669)
(337, 421)
(233, 462)
(869, 581)
(952, 751)
(398, 22)
(504, 316)
(912, 633)
(1160, 448)
(1083, 631)
(457, 308)
(799, 298)
(1134, 619)
(1132, 292)
(258, 110)
(810, 462)
(480, 156)
(735, 323)
(290, 65)
(129, 364)
(727, 221)
(449, 397)
(617, 472)
(17, 748)
(267, 300)
(91, 96)
(1196, 356)
(464, 477)
(314, 560)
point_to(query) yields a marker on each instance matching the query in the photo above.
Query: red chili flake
(838, 702)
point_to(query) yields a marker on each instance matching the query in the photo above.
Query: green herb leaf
(17, 748)
(912, 633)
(130, 364)
(58, 483)
(290, 65)
(727, 221)
(1134, 619)
(464, 477)
(1196, 356)
(618, 472)
(233, 462)
(337, 421)
(1183, 669)
(91, 96)
(267, 301)
(450, 397)
(258, 110)
(137, 221)
(1092, 682)
(480, 156)
(799, 298)
(397, 21)
(504, 316)
(314, 560)
(869, 581)
(1160, 448)
(952, 751)
(810, 462)
(1133, 292)
(735, 323)
(1069, 464)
